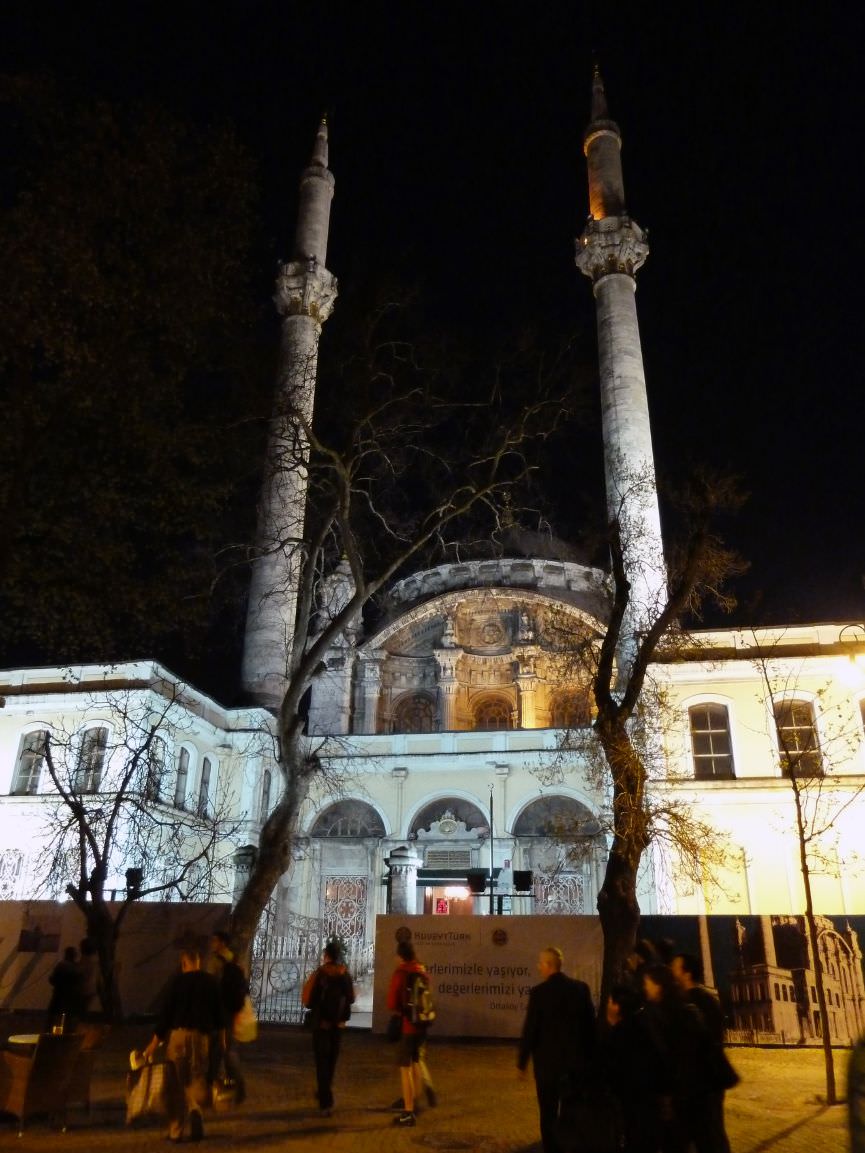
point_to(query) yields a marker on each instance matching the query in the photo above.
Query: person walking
(233, 988)
(412, 1034)
(559, 1037)
(190, 1015)
(704, 1121)
(329, 995)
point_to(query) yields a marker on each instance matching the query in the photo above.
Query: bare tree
(818, 736)
(122, 822)
(627, 720)
(404, 470)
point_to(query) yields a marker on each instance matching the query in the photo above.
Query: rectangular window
(203, 788)
(28, 767)
(797, 739)
(182, 778)
(91, 761)
(710, 742)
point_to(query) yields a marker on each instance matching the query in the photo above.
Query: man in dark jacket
(704, 1115)
(191, 1014)
(559, 1036)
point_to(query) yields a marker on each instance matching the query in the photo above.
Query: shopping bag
(148, 1091)
(244, 1028)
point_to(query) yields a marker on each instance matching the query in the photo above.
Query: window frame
(698, 758)
(83, 781)
(181, 778)
(802, 773)
(42, 733)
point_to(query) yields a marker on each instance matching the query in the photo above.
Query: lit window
(91, 761)
(797, 739)
(493, 714)
(28, 767)
(203, 788)
(182, 779)
(265, 796)
(710, 742)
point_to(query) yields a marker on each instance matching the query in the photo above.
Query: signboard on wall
(482, 968)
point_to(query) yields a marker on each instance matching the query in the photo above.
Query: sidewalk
(482, 1107)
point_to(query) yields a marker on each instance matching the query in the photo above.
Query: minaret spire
(610, 251)
(305, 295)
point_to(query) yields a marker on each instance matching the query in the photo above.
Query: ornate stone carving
(614, 244)
(303, 288)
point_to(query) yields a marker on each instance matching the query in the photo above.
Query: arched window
(710, 742)
(264, 809)
(349, 819)
(414, 714)
(156, 761)
(556, 816)
(28, 767)
(91, 760)
(203, 788)
(493, 714)
(798, 745)
(571, 710)
(182, 779)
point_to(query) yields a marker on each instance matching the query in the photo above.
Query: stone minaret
(609, 252)
(305, 294)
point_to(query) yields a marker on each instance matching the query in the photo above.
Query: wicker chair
(38, 1082)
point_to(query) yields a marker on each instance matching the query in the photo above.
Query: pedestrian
(190, 1015)
(412, 1034)
(559, 1037)
(629, 1061)
(678, 1038)
(64, 1008)
(233, 989)
(705, 1119)
(328, 994)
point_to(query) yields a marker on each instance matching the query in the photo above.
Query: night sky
(456, 143)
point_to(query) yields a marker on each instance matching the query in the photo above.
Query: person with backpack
(328, 994)
(409, 995)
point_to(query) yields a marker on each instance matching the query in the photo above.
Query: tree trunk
(811, 924)
(619, 912)
(102, 930)
(274, 850)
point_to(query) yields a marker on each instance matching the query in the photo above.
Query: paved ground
(483, 1107)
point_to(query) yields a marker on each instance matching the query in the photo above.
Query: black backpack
(331, 1001)
(417, 1002)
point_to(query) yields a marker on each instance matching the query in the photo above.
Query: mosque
(444, 730)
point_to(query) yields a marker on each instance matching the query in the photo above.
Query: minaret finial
(599, 96)
(319, 149)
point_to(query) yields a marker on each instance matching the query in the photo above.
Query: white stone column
(446, 663)
(403, 864)
(370, 687)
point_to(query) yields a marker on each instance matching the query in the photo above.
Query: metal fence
(283, 957)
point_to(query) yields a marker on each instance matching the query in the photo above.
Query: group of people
(650, 1077)
(328, 995)
(195, 1025)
